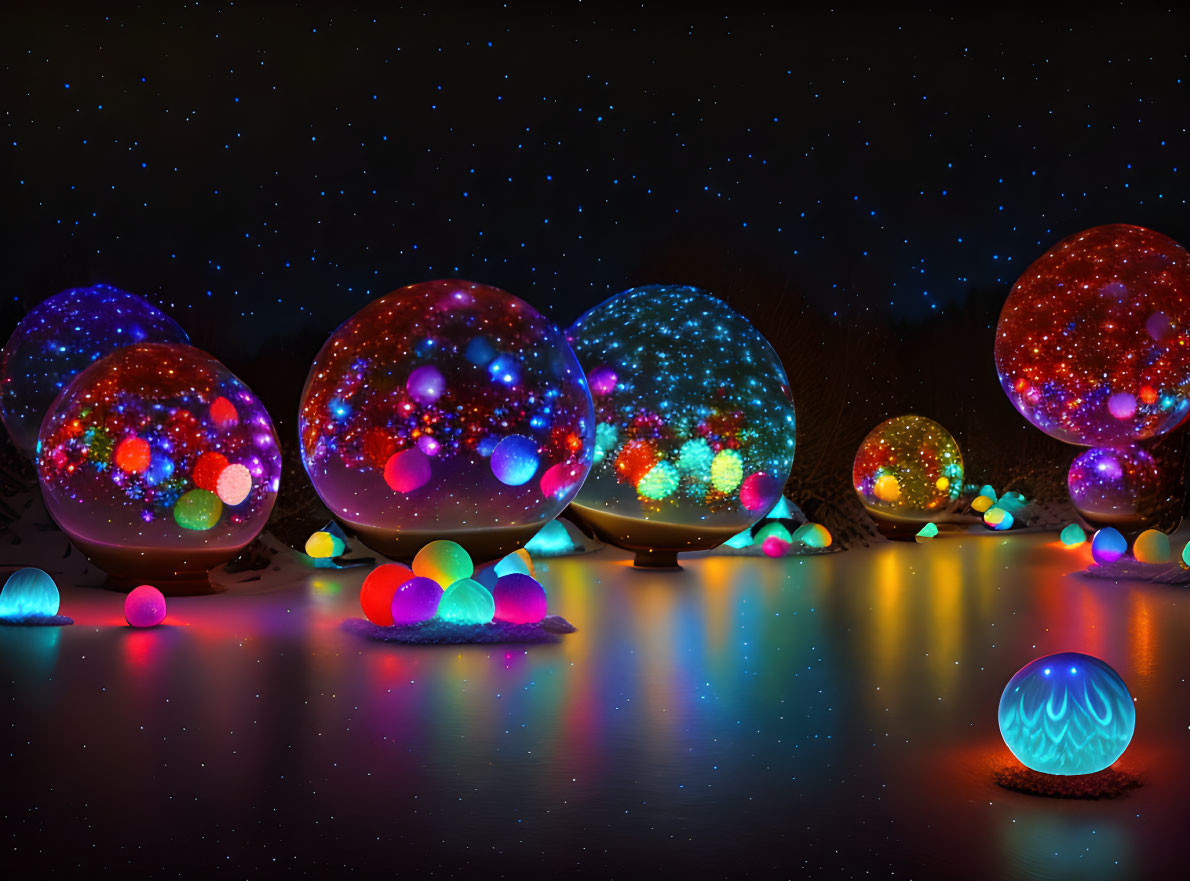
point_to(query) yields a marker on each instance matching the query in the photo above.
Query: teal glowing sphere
(467, 602)
(29, 593)
(1067, 714)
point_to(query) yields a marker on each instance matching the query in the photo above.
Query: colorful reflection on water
(836, 712)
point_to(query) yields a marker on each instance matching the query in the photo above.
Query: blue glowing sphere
(1067, 714)
(1108, 545)
(29, 593)
(515, 460)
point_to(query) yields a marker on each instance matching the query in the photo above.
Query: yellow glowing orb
(887, 488)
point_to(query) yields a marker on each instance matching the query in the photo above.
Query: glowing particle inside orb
(425, 384)
(407, 470)
(514, 460)
(416, 600)
(602, 380)
(930, 530)
(887, 488)
(1093, 321)
(428, 445)
(376, 594)
(1108, 545)
(207, 470)
(323, 545)
(900, 467)
(197, 509)
(1152, 546)
(757, 491)
(133, 455)
(520, 599)
(29, 593)
(161, 469)
(695, 458)
(505, 370)
(635, 461)
(443, 561)
(727, 471)
(234, 484)
(144, 606)
(1067, 714)
(511, 564)
(981, 504)
(224, 414)
(997, 518)
(560, 480)
(467, 602)
(605, 438)
(813, 535)
(659, 482)
(774, 547)
(1072, 535)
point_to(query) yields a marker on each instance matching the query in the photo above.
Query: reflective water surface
(799, 717)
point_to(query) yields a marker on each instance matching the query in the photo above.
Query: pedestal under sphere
(1093, 342)
(446, 410)
(695, 423)
(159, 464)
(59, 337)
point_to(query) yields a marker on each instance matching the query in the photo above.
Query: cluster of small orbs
(776, 540)
(999, 512)
(443, 583)
(1109, 545)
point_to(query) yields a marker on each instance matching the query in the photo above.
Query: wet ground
(830, 716)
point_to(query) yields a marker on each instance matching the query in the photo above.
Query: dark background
(864, 185)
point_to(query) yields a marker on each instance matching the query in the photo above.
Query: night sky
(264, 170)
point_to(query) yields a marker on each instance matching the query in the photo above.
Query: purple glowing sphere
(416, 600)
(520, 599)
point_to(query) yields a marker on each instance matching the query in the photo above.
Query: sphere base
(656, 545)
(1109, 783)
(484, 545)
(173, 572)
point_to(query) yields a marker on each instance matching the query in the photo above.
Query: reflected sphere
(1093, 343)
(446, 409)
(908, 468)
(59, 337)
(168, 405)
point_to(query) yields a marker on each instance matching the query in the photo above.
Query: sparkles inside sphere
(467, 602)
(58, 338)
(695, 423)
(29, 593)
(208, 483)
(908, 468)
(144, 606)
(416, 600)
(443, 561)
(1123, 487)
(1067, 714)
(520, 599)
(437, 411)
(1093, 343)
(376, 594)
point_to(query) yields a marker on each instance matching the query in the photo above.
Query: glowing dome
(59, 337)
(1067, 713)
(447, 410)
(135, 461)
(695, 424)
(1093, 344)
(908, 469)
(28, 594)
(1124, 487)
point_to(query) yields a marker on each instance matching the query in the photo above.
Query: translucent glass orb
(135, 458)
(695, 424)
(1123, 487)
(416, 600)
(1093, 343)
(908, 468)
(467, 602)
(58, 338)
(1108, 545)
(376, 594)
(1067, 713)
(144, 606)
(450, 410)
(29, 593)
(519, 599)
(443, 561)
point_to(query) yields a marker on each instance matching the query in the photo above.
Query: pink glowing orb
(774, 547)
(376, 595)
(407, 470)
(234, 484)
(602, 381)
(520, 599)
(561, 479)
(144, 606)
(758, 492)
(416, 600)
(425, 384)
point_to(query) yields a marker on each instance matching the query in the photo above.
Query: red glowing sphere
(1093, 344)
(376, 596)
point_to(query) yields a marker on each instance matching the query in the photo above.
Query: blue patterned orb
(29, 593)
(1067, 714)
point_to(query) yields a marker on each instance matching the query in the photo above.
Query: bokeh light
(1093, 343)
(908, 468)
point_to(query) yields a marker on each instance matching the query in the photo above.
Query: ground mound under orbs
(1109, 783)
(439, 632)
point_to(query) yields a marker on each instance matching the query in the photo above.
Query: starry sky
(263, 170)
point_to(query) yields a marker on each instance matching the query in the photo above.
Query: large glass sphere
(1067, 713)
(1093, 344)
(159, 463)
(59, 337)
(695, 424)
(1124, 487)
(446, 410)
(908, 469)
